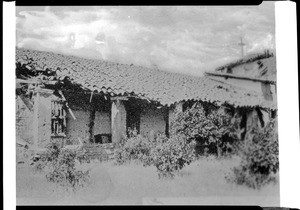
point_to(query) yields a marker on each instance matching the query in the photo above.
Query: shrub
(171, 155)
(60, 166)
(136, 147)
(168, 155)
(211, 129)
(259, 158)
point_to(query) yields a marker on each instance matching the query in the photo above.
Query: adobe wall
(152, 120)
(118, 121)
(248, 84)
(30, 130)
(102, 123)
(80, 126)
(24, 119)
(247, 69)
(44, 116)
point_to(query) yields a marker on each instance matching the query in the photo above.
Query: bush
(136, 147)
(168, 155)
(171, 155)
(259, 158)
(60, 166)
(212, 129)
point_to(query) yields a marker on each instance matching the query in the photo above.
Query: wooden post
(63, 97)
(92, 122)
(118, 121)
(166, 118)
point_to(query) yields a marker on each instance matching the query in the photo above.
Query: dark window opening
(243, 124)
(273, 114)
(133, 117)
(102, 138)
(229, 71)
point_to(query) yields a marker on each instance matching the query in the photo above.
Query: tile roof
(266, 70)
(121, 79)
(243, 77)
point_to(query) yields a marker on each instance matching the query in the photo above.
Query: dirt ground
(201, 183)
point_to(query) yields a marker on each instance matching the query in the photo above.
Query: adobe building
(64, 98)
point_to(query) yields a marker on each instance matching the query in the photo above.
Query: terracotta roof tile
(266, 67)
(165, 87)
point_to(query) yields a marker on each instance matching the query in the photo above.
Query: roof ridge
(113, 62)
(250, 58)
(114, 79)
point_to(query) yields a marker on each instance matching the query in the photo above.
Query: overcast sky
(189, 40)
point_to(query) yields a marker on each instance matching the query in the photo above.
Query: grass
(202, 182)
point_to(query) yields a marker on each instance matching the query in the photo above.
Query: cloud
(186, 39)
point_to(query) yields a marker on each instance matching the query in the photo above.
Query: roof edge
(251, 58)
(240, 77)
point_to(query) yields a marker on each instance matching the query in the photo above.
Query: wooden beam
(91, 96)
(92, 122)
(69, 109)
(31, 81)
(240, 77)
(124, 98)
(26, 100)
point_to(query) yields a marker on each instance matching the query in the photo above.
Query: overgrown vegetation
(259, 158)
(169, 156)
(212, 129)
(193, 132)
(60, 166)
(136, 148)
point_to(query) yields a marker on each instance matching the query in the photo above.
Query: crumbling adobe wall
(102, 123)
(44, 119)
(248, 84)
(24, 119)
(152, 120)
(248, 69)
(80, 126)
(118, 121)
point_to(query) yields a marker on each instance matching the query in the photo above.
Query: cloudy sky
(181, 39)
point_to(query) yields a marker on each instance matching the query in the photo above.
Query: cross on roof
(242, 44)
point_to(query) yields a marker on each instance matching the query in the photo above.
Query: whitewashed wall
(152, 120)
(80, 126)
(24, 119)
